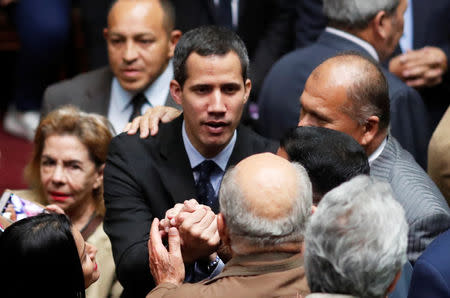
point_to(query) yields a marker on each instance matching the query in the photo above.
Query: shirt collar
(377, 152)
(364, 44)
(195, 158)
(156, 93)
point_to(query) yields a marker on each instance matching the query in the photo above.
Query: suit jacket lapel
(176, 172)
(98, 95)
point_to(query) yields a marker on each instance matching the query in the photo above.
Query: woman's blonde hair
(92, 130)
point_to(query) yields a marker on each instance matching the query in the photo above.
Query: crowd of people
(324, 194)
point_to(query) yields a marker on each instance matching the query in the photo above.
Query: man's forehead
(141, 13)
(212, 67)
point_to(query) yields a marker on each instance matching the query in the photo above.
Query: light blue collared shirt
(406, 41)
(120, 107)
(221, 159)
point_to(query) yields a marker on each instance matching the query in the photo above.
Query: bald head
(265, 201)
(270, 177)
(348, 93)
(166, 15)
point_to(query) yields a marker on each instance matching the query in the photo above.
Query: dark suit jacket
(91, 92)
(265, 26)
(279, 106)
(431, 275)
(426, 210)
(143, 179)
(260, 275)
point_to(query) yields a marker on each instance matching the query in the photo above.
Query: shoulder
(87, 79)
(412, 186)
(398, 90)
(254, 142)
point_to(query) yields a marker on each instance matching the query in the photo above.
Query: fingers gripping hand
(199, 234)
(165, 265)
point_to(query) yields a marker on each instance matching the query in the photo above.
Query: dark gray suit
(426, 210)
(91, 92)
(279, 106)
(143, 179)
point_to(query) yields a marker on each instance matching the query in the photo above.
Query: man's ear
(105, 33)
(313, 209)
(174, 37)
(248, 88)
(222, 229)
(176, 92)
(380, 25)
(371, 129)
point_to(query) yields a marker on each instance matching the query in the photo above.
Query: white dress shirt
(120, 107)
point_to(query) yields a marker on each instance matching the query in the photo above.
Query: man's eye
(146, 41)
(116, 41)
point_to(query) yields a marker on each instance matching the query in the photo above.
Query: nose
(58, 176)
(217, 103)
(130, 53)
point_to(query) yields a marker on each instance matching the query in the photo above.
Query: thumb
(174, 242)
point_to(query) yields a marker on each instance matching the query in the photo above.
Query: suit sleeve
(410, 123)
(427, 281)
(424, 230)
(128, 218)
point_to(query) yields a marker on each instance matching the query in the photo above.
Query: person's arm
(128, 217)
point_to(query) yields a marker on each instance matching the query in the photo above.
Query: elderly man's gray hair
(247, 229)
(356, 240)
(356, 14)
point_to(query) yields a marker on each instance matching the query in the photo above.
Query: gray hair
(356, 14)
(356, 241)
(247, 229)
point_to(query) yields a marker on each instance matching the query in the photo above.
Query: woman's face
(87, 254)
(68, 175)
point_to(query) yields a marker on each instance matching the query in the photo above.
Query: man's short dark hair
(330, 157)
(207, 41)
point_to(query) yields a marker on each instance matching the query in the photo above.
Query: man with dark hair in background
(141, 39)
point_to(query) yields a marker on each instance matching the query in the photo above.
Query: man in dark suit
(141, 39)
(371, 30)
(426, 49)
(146, 177)
(337, 96)
(431, 275)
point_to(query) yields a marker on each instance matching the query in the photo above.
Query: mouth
(95, 266)
(130, 72)
(216, 127)
(59, 196)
